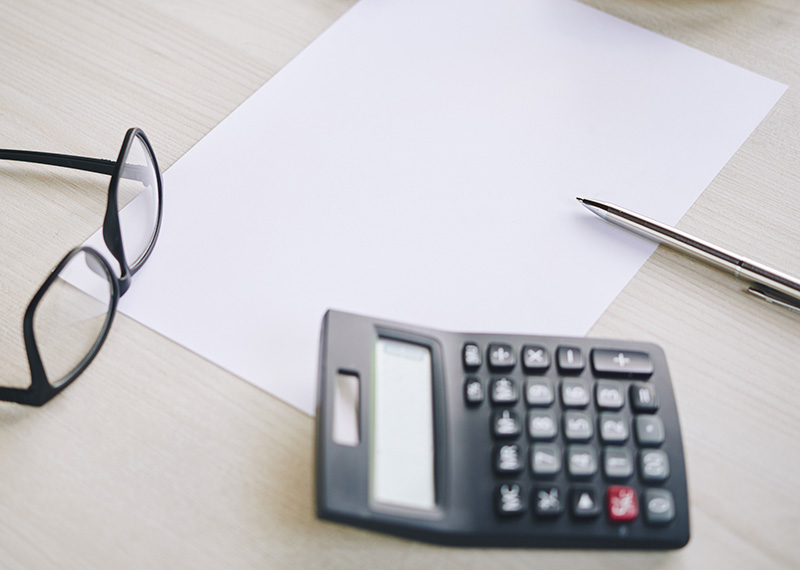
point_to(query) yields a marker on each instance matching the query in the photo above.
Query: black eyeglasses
(70, 315)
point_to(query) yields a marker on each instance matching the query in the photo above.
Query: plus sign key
(501, 357)
(626, 363)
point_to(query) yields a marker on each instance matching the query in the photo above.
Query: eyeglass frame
(41, 390)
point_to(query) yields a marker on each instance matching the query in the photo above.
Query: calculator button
(569, 359)
(535, 358)
(539, 391)
(504, 391)
(509, 500)
(644, 398)
(507, 459)
(545, 459)
(627, 363)
(617, 463)
(578, 426)
(654, 465)
(659, 506)
(547, 502)
(501, 357)
(473, 392)
(649, 430)
(471, 356)
(613, 428)
(583, 502)
(621, 503)
(581, 460)
(609, 395)
(542, 424)
(505, 424)
(575, 393)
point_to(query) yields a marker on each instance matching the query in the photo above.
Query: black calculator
(497, 439)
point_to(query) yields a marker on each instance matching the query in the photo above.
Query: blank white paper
(419, 162)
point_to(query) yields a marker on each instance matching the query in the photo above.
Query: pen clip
(775, 297)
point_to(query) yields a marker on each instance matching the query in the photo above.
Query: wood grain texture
(156, 458)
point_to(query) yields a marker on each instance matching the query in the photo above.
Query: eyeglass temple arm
(97, 165)
(17, 395)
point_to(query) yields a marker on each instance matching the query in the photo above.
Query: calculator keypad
(507, 459)
(545, 459)
(569, 359)
(501, 357)
(622, 503)
(535, 358)
(539, 391)
(617, 463)
(659, 506)
(504, 391)
(621, 363)
(575, 393)
(473, 392)
(573, 438)
(548, 501)
(505, 424)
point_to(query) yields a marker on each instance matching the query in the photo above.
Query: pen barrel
(773, 285)
(758, 274)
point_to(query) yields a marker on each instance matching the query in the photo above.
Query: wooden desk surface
(157, 459)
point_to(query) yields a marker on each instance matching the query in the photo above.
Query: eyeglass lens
(68, 321)
(137, 200)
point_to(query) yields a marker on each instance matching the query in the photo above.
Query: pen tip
(579, 199)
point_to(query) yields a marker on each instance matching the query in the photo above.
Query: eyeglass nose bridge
(94, 264)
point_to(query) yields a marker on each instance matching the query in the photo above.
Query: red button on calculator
(622, 503)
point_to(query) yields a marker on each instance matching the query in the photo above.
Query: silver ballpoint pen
(764, 282)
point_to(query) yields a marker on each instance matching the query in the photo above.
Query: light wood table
(155, 458)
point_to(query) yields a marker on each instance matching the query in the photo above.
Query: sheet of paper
(419, 162)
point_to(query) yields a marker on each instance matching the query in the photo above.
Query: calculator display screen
(402, 462)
